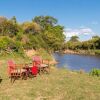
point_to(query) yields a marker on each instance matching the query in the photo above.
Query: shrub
(95, 72)
(97, 52)
(5, 42)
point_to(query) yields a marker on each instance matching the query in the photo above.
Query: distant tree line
(75, 44)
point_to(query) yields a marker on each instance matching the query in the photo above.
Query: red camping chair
(42, 67)
(15, 71)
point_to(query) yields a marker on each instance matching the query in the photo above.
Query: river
(77, 62)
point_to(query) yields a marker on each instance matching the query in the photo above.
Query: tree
(2, 19)
(14, 20)
(95, 37)
(74, 39)
(31, 27)
(54, 37)
(8, 28)
(97, 43)
(45, 21)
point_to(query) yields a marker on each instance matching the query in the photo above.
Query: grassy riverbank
(60, 84)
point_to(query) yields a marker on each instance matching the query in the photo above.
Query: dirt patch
(30, 53)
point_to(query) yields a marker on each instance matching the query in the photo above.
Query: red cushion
(34, 70)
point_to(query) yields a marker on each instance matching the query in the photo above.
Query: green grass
(60, 84)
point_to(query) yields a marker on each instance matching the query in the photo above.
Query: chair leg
(39, 71)
(24, 75)
(47, 70)
(0, 80)
(13, 78)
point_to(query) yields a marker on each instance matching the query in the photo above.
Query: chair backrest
(11, 66)
(37, 60)
(11, 63)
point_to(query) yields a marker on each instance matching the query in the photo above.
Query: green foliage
(41, 32)
(95, 37)
(5, 42)
(54, 37)
(45, 21)
(74, 39)
(92, 44)
(7, 45)
(19, 35)
(36, 41)
(95, 72)
(31, 27)
(97, 52)
(73, 46)
(8, 28)
(14, 20)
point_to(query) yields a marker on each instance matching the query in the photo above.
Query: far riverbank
(82, 52)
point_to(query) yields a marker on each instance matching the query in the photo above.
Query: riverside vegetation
(91, 46)
(41, 32)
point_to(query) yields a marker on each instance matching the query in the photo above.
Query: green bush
(95, 72)
(8, 45)
(97, 52)
(5, 42)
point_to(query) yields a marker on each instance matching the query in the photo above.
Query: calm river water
(77, 62)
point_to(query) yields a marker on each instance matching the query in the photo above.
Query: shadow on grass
(0, 79)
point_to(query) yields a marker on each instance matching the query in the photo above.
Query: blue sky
(79, 17)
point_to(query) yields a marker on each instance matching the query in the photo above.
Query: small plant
(95, 72)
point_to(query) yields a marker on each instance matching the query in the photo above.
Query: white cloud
(81, 31)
